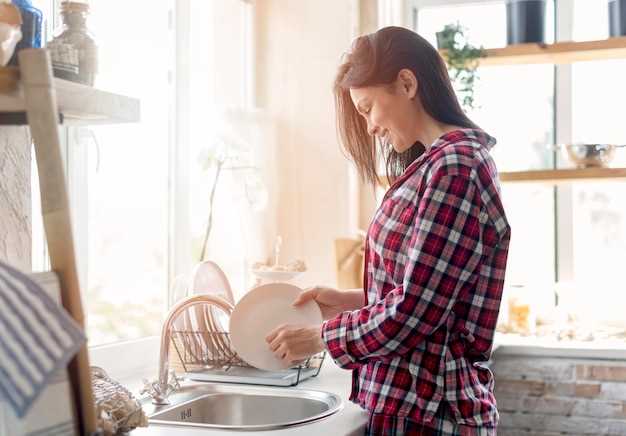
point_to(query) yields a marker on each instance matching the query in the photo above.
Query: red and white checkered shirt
(435, 259)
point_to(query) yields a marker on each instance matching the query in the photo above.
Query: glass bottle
(73, 51)
(32, 19)
(522, 316)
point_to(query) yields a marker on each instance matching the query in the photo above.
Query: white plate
(208, 278)
(259, 312)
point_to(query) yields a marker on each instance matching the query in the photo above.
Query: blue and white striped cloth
(37, 339)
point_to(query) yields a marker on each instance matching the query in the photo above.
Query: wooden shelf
(78, 105)
(563, 176)
(558, 53)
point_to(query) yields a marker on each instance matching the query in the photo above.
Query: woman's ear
(407, 83)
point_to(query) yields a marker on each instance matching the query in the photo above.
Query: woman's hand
(293, 344)
(332, 301)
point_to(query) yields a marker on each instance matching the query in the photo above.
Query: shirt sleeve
(443, 254)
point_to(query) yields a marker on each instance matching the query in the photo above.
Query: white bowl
(590, 155)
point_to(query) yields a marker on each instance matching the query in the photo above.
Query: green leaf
(462, 60)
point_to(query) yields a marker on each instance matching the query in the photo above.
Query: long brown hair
(376, 59)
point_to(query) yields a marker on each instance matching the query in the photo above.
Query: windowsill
(512, 344)
(128, 362)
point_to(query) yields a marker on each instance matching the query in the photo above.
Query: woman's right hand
(332, 301)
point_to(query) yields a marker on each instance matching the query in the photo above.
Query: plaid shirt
(435, 259)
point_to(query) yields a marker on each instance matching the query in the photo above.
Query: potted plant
(462, 59)
(525, 21)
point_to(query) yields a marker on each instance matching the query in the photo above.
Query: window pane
(221, 129)
(531, 252)
(591, 19)
(471, 16)
(598, 104)
(520, 116)
(599, 245)
(515, 105)
(128, 175)
(599, 209)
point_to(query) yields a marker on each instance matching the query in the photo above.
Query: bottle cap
(75, 6)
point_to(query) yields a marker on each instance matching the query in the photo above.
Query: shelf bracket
(19, 118)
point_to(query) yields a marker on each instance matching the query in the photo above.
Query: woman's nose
(371, 129)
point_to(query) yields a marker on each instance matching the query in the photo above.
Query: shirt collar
(453, 136)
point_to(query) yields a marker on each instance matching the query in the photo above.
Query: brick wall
(15, 208)
(547, 396)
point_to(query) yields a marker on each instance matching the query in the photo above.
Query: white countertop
(351, 420)
(547, 346)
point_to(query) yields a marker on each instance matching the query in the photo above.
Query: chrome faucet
(167, 382)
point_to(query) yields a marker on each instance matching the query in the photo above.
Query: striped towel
(37, 338)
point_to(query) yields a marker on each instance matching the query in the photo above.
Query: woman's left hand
(292, 343)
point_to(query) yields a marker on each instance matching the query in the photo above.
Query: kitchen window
(598, 210)
(127, 176)
(567, 241)
(518, 147)
(222, 126)
(131, 185)
(118, 180)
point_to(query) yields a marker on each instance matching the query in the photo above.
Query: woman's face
(390, 112)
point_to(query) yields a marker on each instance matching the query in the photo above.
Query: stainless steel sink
(243, 407)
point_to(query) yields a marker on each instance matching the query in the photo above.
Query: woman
(435, 254)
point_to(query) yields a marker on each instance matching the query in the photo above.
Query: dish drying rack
(209, 356)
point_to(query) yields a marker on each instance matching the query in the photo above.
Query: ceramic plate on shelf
(258, 313)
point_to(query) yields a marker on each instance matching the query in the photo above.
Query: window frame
(563, 113)
(141, 355)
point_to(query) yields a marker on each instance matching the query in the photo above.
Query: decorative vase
(617, 18)
(32, 19)
(73, 51)
(525, 21)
